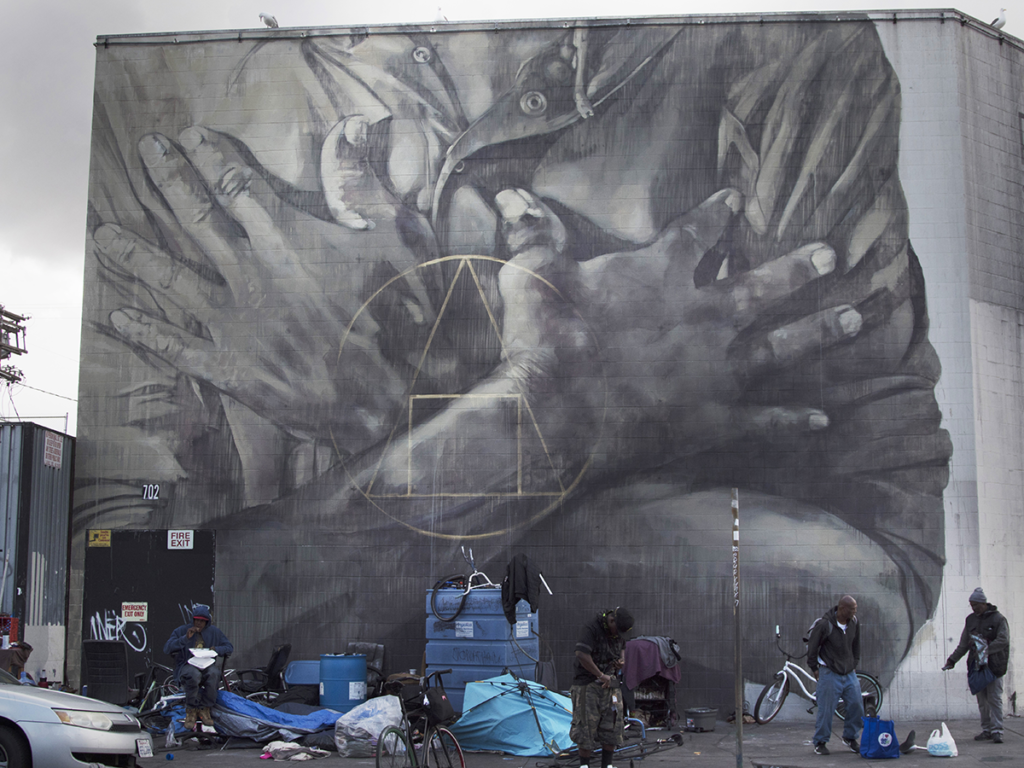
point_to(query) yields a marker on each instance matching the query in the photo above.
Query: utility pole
(12, 342)
(737, 625)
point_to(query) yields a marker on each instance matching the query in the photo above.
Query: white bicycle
(774, 694)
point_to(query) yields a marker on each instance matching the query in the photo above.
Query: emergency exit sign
(179, 539)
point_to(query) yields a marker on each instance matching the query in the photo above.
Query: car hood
(50, 698)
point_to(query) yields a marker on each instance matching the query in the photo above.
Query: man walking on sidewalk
(986, 638)
(833, 654)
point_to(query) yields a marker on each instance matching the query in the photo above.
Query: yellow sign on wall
(99, 538)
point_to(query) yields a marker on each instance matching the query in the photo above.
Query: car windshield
(6, 678)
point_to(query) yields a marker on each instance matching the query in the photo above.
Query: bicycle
(158, 684)
(774, 694)
(476, 580)
(419, 736)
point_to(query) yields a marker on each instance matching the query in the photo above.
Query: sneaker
(821, 749)
(852, 744)
(983, 736)
(997, 738)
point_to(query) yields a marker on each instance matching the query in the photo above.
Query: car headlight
(99, 721)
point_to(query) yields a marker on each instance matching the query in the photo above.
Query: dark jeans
(200, 685)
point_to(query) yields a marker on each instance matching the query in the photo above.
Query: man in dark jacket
(199, 681)
(833, 654)
(985, 630)
(597, 709)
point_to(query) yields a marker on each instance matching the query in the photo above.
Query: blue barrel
(342, 681)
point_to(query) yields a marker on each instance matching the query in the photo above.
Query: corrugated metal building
(36, 470)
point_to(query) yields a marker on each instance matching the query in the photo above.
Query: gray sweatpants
(990, 704)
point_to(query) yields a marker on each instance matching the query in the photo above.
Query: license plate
(145, 747)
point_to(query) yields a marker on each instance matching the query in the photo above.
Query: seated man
(199, 679)
(13, 659)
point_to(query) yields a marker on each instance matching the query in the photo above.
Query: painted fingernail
(356, 130)
(734, 201)
(850, 321)
(817, 421)
(824, 260)
(190, 138)
(152, 149)
(124, 319)
(107, 237)
(512, 204)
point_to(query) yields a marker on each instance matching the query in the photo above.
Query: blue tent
(519, 717)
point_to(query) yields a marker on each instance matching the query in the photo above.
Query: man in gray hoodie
(833, 655)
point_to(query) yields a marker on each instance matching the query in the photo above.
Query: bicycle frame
(793, 671)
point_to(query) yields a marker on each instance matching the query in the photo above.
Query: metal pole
(738, 648)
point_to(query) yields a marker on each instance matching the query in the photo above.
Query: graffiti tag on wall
(108, 625)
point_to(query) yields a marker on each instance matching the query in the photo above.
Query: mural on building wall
(355, 300)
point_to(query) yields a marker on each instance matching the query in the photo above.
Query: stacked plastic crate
(479, 643)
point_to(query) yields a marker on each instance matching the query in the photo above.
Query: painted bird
(269, 20)
(999, 21)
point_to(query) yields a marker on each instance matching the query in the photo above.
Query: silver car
(43, 728)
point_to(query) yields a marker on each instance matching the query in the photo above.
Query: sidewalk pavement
(776, 745)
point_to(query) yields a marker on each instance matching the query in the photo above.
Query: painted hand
(253, 295)
(655, 353)
(621, 361)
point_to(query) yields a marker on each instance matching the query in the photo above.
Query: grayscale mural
(354, 300)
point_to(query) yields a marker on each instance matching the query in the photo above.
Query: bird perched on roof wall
(999, 21)
(269, 20)
(440, 17)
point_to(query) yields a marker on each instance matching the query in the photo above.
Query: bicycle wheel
(265, 698)
(443, 750)
(770, 701)
(456, 581)
(871, 695)
(393, 748)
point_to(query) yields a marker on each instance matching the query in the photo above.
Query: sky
(46, 90)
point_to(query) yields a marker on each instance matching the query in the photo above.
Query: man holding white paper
(199, 649)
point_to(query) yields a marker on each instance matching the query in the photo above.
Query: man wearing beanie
(597, 709)
(198, 676)
(833, 655)
(986, 640)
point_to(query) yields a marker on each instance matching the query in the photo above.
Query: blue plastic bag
(879, 739)
(980, 679)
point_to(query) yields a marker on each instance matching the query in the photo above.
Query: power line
(62, 397)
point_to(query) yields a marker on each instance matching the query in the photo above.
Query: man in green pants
(597, 709)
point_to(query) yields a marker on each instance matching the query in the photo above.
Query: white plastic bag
(356, 730)
(941, 744)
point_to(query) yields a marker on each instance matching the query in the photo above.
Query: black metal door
(140, 585)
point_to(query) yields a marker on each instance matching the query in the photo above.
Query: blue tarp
(237, 716)
(314, 721)
(518, 717)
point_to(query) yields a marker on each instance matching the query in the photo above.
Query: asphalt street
(776, 745)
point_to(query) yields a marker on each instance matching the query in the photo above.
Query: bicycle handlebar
(778, 644)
